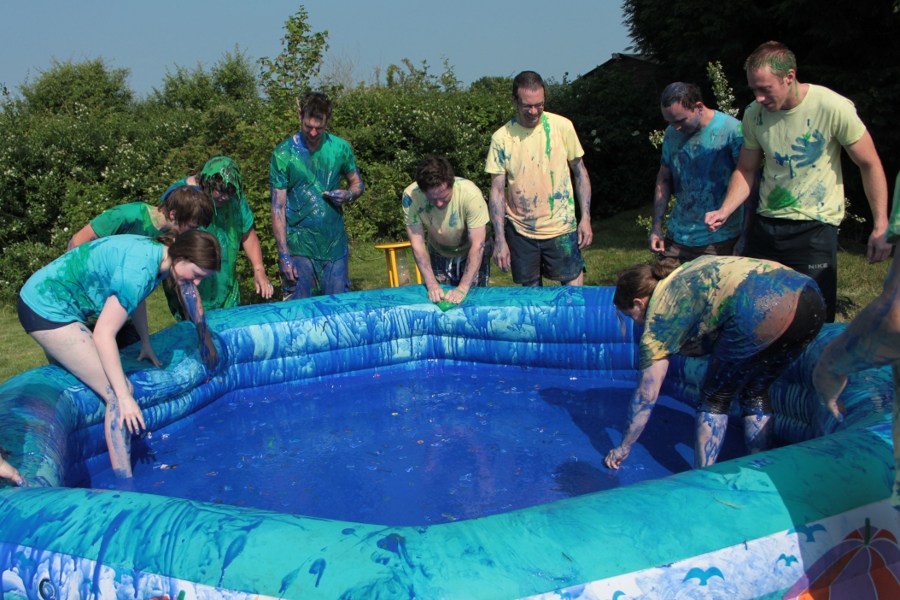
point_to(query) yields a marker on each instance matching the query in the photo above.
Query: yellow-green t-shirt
(802, 177)
(540, 201)
(729, 306)
(448, 228)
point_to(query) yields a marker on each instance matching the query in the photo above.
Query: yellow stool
(390, 254)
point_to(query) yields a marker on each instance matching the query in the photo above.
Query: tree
(299, 63)
(66, 85)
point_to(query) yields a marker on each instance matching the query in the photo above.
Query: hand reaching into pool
(616, 456)
(130, 414)
(7, 471)
(455, 296)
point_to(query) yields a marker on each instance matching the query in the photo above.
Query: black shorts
(752, 377)
(32, 321)
(557, 258)
(808, 247)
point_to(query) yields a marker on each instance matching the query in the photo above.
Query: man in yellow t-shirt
(453, 211)
(799, 129)
(532, 200)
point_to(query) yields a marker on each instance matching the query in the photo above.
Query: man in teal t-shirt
(699, 153)
(307, 203)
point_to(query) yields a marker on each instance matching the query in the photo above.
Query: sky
(479, 38)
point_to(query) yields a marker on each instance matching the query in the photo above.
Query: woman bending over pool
(108, 280)
(753, 318)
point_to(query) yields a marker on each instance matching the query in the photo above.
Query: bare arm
(871, 340)
(583, 195)
(139, 318)
(642, 403)
(863, 153)
(354, 190)
(110, 321)
(742, 181)
(250, 244)
(420, 252)
(477, 237)
(86, 234)
(661, 195)
(279, 230)
(497, 206)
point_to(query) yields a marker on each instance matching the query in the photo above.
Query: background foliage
(76, 140)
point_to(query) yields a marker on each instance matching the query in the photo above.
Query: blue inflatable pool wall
(766, 525)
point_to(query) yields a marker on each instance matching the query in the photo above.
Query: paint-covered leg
(710, 432)
(190, 300)
(758, 432)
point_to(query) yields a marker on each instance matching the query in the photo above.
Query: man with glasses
(307, 203)
(532, 197)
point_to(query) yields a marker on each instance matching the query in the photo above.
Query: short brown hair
(190, 204)
(528, 80)
(639, 281)
(434, 171)
(315, 104)
(774, 55)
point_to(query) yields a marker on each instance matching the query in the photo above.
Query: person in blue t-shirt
(700, 152)
(108, 280)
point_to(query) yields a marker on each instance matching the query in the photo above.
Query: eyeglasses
(538, 106)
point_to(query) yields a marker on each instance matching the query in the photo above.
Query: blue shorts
(32, 321)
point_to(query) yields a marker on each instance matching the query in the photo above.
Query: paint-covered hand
(435, 293)
(715, 219)
(130, 415)
(501, 255)
(7, 471)
(879, 249)
(455, 296)
(616, 456)
(287, 267)
(585, 233)
(339, 197)
(657, 245)
(147, 353)
(263, 286)
(829, 386)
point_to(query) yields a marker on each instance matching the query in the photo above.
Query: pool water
(400, 446)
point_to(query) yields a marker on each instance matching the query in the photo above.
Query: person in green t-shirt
(190, 208)
(307, 203)
(232, 225)
(453, 211)
(871, 340)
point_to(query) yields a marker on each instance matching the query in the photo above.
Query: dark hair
(774, 55)
(315, 104)
(199, 247)
(686, 94)
(190, 204)
(434, 171)
(528, 80)
(639, 281)
(221, 174)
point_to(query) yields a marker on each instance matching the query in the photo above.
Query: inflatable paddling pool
(810, 515)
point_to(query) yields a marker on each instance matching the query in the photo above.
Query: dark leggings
(752, 377)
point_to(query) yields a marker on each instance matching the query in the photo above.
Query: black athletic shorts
(556, 258)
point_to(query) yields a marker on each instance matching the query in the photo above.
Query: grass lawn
(618, 243)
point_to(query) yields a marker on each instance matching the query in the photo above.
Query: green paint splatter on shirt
(780, 198)
(546, 123)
